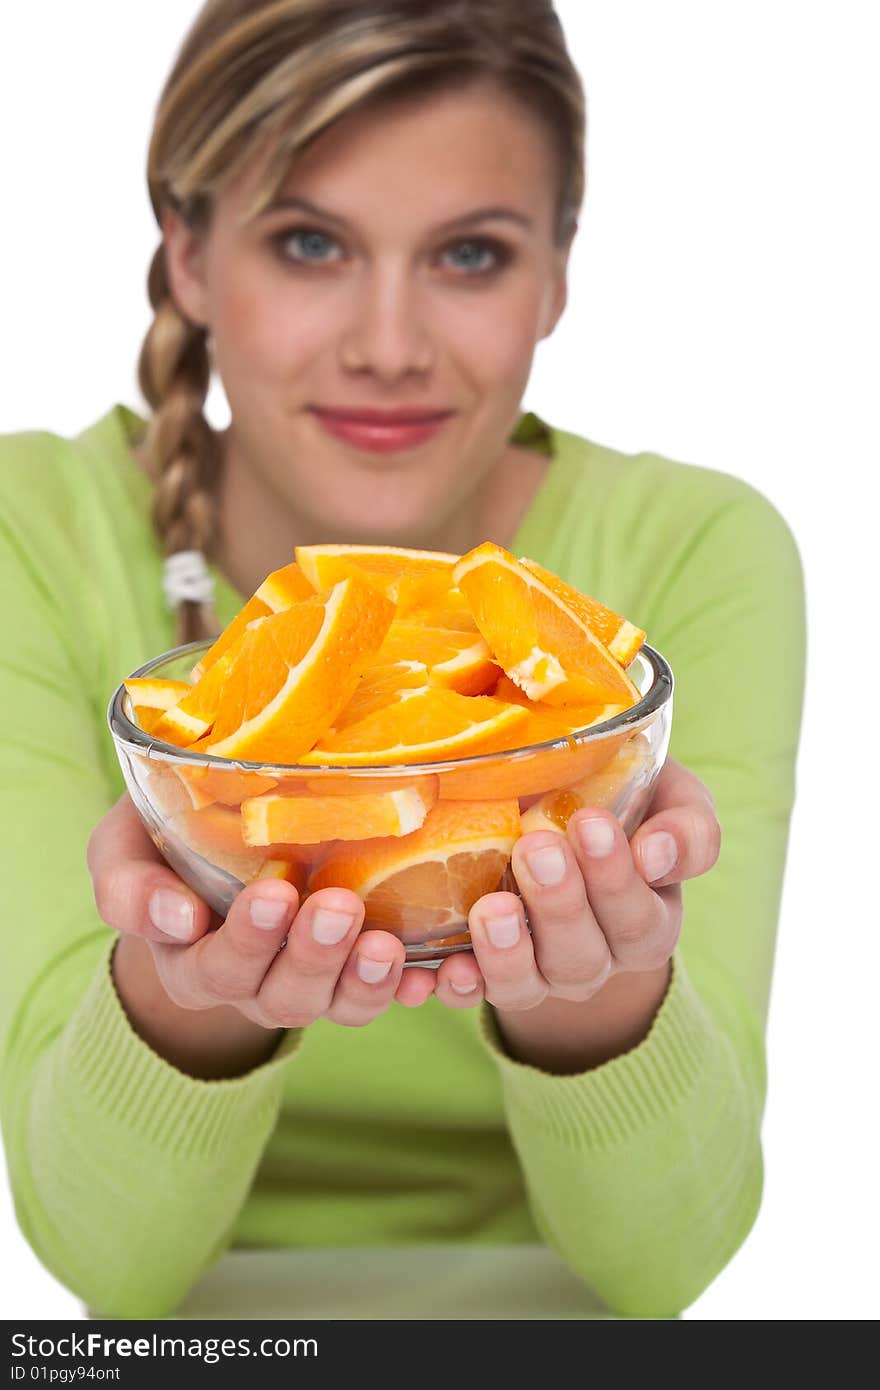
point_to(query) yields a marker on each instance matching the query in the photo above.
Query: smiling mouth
(381, 431)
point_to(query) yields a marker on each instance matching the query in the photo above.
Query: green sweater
(644, 1175)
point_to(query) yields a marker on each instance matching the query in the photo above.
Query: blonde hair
(257, 76)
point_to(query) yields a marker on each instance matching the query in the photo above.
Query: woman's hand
(604, 915)
(211, 994)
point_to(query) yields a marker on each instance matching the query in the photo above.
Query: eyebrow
(296, 204)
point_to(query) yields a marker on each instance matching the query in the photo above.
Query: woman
(369, 207)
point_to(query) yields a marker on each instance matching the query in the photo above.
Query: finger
(460, 983)
(416, 986)
(135, 890)
(504, 952)
(369, 979)
(680, 838)
(640, 925)
(229, 965)
(300, 984)
(570, 947)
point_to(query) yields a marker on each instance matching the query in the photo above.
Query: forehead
(424, 159)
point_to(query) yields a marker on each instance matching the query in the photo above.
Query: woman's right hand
(203, 991)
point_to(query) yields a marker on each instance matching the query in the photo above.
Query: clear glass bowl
(191, 803)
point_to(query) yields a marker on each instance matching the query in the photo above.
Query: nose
(387, 333)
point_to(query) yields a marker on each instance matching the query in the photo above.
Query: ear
(557, 296)
(184, 259)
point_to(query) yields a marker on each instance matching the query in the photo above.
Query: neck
(258, 532)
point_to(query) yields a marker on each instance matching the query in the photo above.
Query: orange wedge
(309, 819)
(150, 697)
(278, 591)
(449, 612)
(303, 669)
(458, 661)
(622, 638)
(423, 886)
(287, 869)
(196, 713)
(541, 643)
(380, 686)
(423, 726)
(408, 577)
(609, 788)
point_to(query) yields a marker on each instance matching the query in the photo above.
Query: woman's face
(386, 292)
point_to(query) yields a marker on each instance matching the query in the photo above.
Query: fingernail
(172, 913)
(597, 837)
(463, 989)
(503, 931)
(547, 865)
(659, 853)
(372, 971)
(267, 913)
(330, 927)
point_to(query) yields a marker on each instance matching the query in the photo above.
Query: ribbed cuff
(614, 1102)
(150, 1098)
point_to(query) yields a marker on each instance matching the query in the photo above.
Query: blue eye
(311, 243)
(474, 263)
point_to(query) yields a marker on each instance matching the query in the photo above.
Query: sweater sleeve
(645, 1173)
(126, 1174)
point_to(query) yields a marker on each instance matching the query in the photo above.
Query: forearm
(205, 1043)
(643, 1174)
(127, 1173)
(565, 1038)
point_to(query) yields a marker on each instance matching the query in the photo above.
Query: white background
(724, 311)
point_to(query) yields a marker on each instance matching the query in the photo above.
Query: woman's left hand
(599, 906)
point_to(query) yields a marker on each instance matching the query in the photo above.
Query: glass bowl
(201, 810)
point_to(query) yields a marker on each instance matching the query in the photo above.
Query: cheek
(498, 340)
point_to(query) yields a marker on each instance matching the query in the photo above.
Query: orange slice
(622, 638)
(459, 661)
(424, 726)
(411, 578)
(380, 686)
(449, 612)
(195, 714)
(309, 819)
(610, 787)
(545, 769)
(303, 669)
(278, 591)
(150, 697)
(423, 886)
(545, 647)
(287, 869)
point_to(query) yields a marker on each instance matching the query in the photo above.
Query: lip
(381, 431)
(405, 415)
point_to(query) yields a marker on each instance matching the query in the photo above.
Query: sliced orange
(610, 787)
(449, 612)
(410, 578)
(622, 638)
(304, 668)
(150, 697)
(310, 818)
(458, 661)
(423, 886)
(545, 769)
(196, 713)
(379, 686)
(287, 869)
(278, 591)
(541, 643)
(424, 726)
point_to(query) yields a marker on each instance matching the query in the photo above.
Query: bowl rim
(125, 731)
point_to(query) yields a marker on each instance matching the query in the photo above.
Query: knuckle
(220, 980)
(117, 896)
